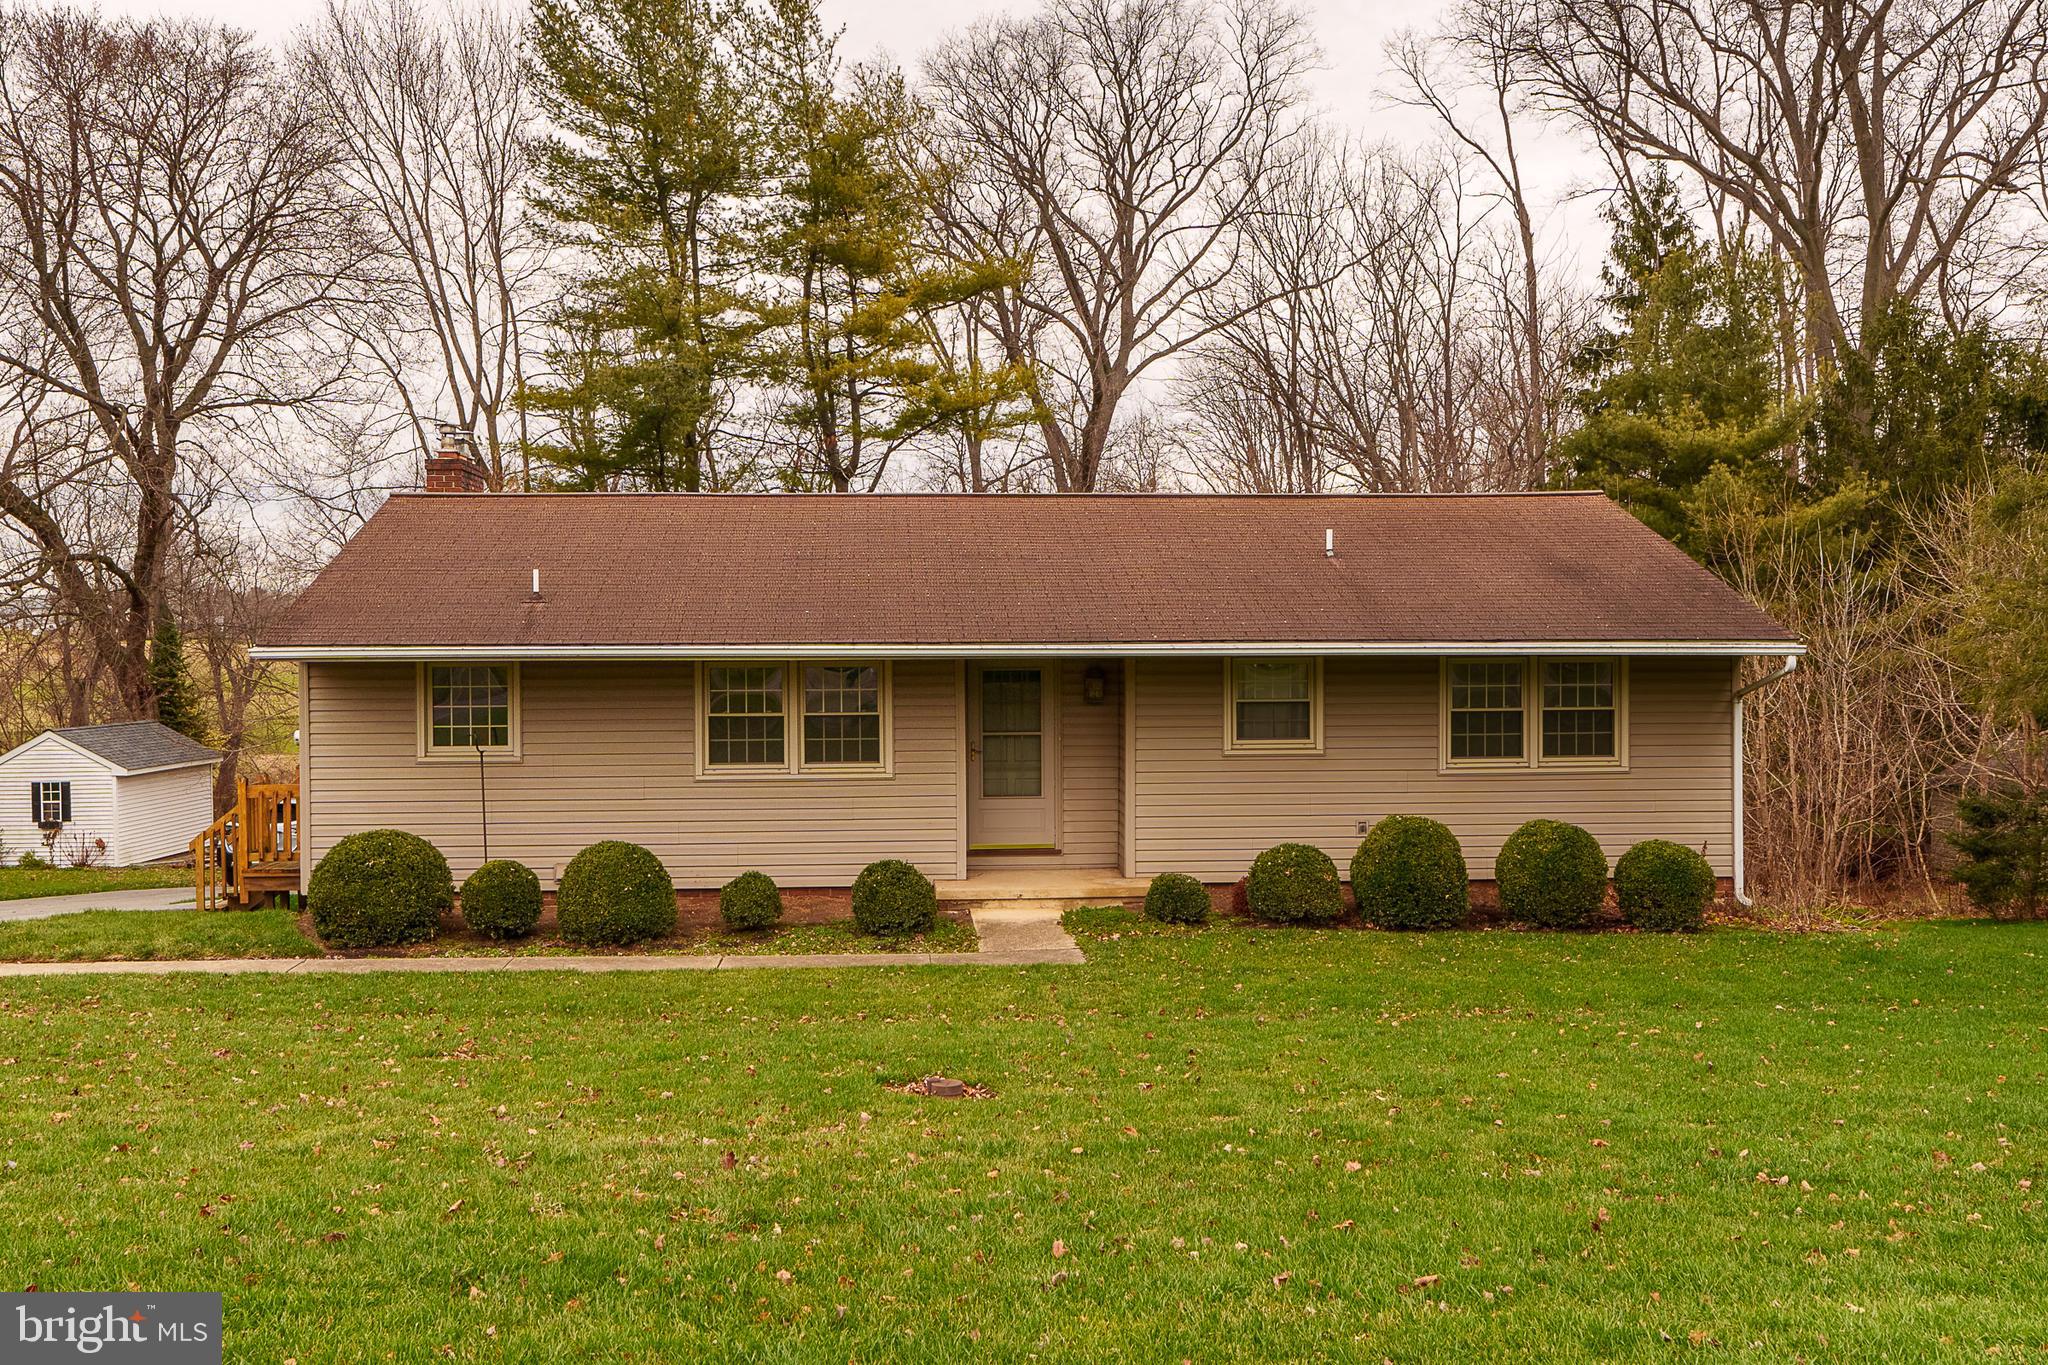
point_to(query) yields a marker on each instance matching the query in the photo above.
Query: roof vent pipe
(536, 582)
(1329, 542)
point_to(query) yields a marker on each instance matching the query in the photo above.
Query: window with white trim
(1574, 708)
(469, 706)
(1275, 705)
(839, 714)
(49, 802)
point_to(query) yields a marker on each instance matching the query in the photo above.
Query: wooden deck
(251, 852)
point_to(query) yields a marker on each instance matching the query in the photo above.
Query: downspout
(1741, 881)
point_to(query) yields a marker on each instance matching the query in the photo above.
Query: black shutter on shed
(37, 794)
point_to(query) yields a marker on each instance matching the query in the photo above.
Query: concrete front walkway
(43, 907)
(1009, 938)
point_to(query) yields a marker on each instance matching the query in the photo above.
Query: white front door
(1012, 756)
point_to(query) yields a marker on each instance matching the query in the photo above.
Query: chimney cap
(455, 438)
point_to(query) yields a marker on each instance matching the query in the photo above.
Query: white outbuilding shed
(117, 795)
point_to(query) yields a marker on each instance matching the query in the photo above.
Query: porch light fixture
(1094, 685)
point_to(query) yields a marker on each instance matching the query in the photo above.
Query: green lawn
(97, 935)
(1224, 1144)
(18, 883)
(164, 935)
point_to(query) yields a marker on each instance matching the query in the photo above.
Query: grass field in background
(19, 883)
(1231, 1143)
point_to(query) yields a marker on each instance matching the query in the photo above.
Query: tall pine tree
(855, 345)
(652, 174)
(170, 682)
(1689, 376)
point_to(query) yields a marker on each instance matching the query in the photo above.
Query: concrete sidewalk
(1009, 938)
(43, 907)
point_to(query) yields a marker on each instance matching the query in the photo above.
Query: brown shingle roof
(732, 571)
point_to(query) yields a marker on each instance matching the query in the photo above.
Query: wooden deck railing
(251, 850)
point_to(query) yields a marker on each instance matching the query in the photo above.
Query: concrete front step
(1039, 908)
(1063, 887)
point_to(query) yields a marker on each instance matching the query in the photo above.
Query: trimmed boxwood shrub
(1551, 874)
(501, 899)
(750, 901)
(379, 888)
(891, 899)
(1663, 886)
(615, 893)
(1177, 898)
(1295, 884)
(1409, 873)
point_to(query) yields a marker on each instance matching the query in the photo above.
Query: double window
(1276, 706)
(469, 707)
(793, 717)
(1535, 713)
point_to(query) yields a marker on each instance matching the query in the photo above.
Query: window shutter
(35, 802)
(65, 789)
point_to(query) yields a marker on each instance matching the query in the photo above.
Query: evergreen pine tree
(177, 702)
(1689, 377)
(652, 174)
(854, 324)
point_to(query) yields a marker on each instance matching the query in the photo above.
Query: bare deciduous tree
(1473, 56)
(436, 114)
(1392, 352)
(1869, 140)
(169, 242)
(1123, 143)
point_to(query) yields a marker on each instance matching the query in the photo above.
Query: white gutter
(1741, 880)
(1126, 649)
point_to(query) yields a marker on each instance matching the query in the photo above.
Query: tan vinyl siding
(1201, 811)
(1090, 776)
(606, 754)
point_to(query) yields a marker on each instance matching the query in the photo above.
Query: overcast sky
(1352, 33)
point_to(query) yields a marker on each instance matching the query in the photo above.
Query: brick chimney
(454, 468)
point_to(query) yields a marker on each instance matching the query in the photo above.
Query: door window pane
(1012, 738)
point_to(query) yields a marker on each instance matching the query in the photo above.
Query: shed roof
(675, 573)
(138, 745)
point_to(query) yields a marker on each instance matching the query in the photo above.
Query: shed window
(470, 707)
(49, 803)
(1274, 704)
